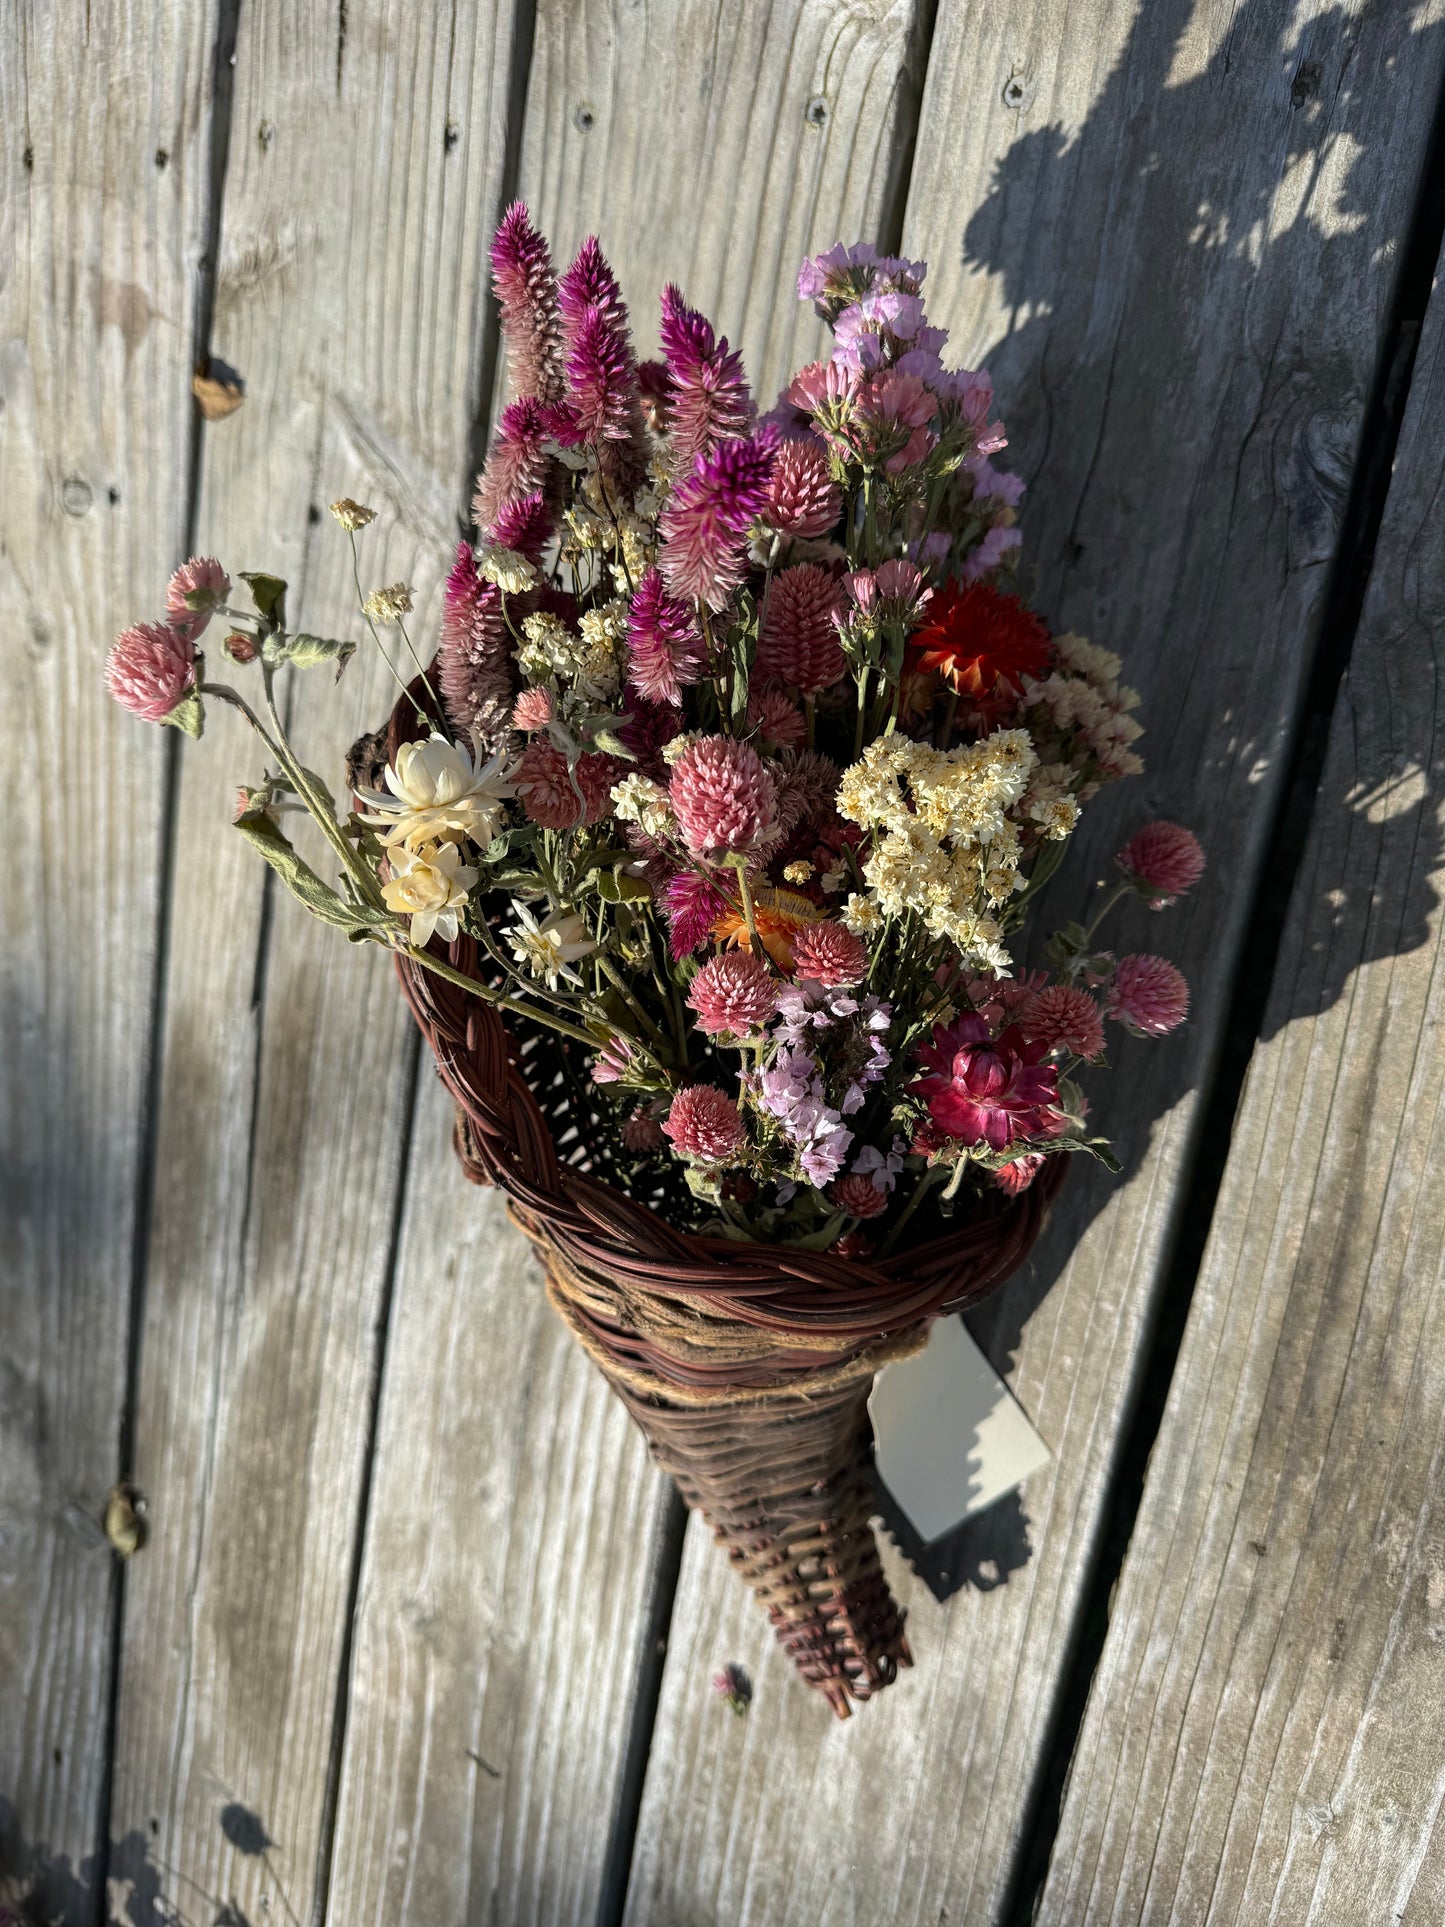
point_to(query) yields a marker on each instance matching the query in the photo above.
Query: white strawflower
(430, 886)
(550, 947)
(440, 794)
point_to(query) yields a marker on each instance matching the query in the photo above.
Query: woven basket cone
(747, 1367)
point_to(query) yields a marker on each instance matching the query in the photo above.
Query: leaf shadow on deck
(1219, 346)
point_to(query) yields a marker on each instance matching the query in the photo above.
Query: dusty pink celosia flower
(665, 648)
(703, 1123)
(524, 524)
(610, 1064)
(721, 795)
(599, 379)
(474, 657)
(990, 1089)
(732, 993)
(150, 669)
(777, 719)
(533, 710)
(518, 463)
(526, 287)
(1020, 1174)
(1148, 996)
(590, 283)
(548, 794)
(204, 578)
(694, 903)
(708, 399)
(830, 955)
(799, 642)
(858, 1196)
(1165, 858)
(704, 553)
(803, 499)
(1063, 1017)
(642, 1132)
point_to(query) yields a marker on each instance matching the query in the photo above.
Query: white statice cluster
(1079, 716)
(590, 660)
(946, 844)
(637, 799)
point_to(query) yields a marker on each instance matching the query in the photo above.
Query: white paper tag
(950, 1437)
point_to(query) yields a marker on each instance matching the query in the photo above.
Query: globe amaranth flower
(642, 1132)
(830, 955)
(1063, 1017)
(1162, 861)
(803, 499)
(704, 1123)
(799, 641)
(733, 994)
(440, 794)
(989, 1090)
(722, 795)
(194, 593)
(1148, 996)
(430, 886)
(776, 718)
(549, 948)
(858, 1197)
(151, 669)
(559, 799)
(982, 642)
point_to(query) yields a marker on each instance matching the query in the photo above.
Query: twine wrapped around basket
(747, 1367)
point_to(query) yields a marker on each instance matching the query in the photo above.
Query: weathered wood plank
(514, 1521)
(510, 1547)
(103, 219)
(1262, 1739)
(353, 253)
(714, 144)
(1175, 253)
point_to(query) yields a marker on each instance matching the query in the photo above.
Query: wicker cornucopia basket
(747, 1367)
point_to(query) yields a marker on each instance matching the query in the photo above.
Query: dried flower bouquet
(735, 775)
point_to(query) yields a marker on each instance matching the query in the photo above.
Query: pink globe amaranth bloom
(853, 1244)
(201, 576)
(803, 499)
(732, 993)
(858, 1196)
(830, 955)
(722, 796)
(704, 1123)
(776, 718)
(708, 399)
(533, 710)
(1164, 859)
(1063, 1017)
(703, 528)
(799, 641)
(1148, 996)
(150, 669)
(526, 286)
(1013, 1178)
(693, 903)
(991, 1090)
(666, 652)
(642, 1132)
(474, 656)
(547, 793)
(518, 463)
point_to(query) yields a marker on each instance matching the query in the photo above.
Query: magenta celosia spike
(694, 903)
(474, 661)
(704, 554)
(709, 399)
(525, 525)
(518, 464)
(664, 645)
(526, 285)
(600, 379)
(590, 283)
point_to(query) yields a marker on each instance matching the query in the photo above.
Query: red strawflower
(995, 1090)
(982, 642)
(1018, 1176)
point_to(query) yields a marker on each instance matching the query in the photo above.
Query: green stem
(381, 651)
(1119, 890)
(925, 1183)
(318, 806)
(489, 996)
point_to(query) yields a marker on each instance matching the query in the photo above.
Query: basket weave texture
(747, 1367)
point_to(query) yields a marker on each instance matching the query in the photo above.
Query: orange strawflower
(982, 642)
(779, 916)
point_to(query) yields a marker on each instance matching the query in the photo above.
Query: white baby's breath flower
(440, 794)
(549, 948)
(512, 573)
(430, 886)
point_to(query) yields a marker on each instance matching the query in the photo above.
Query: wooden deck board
(103, 214)
(1262, 1740)
(1169, 265)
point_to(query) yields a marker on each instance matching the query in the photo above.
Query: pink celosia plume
(704, 554)
(693, 903)
(526, 285)
(524, 525)
(474, 658)
(666, 652)
(708, 399)
(518, 463)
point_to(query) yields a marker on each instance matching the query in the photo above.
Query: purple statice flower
(526, 285)
(883, 1171)
(992, 484)
(693, 903)
(704, 528)
(866, 330)
(791, 1090)
(518, 464)
(665, 648)
(967, 395)
(876, 1017)
(833, 279)
(524, 525)
(999, 543)
(474, 657)
(708, 399)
